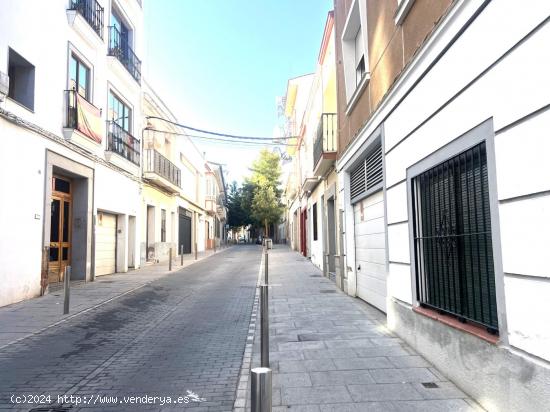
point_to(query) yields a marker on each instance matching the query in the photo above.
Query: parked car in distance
(242, 239)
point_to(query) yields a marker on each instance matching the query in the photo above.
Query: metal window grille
(452, 239)
(368, 175)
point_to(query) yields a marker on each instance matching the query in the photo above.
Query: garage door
(370, 249)
(105, 244)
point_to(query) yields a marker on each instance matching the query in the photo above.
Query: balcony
(122, 143)
(325, 147)
(119, 48)
(161, 171)
(91, 11)
(82, 122)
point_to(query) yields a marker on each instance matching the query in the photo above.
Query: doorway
(331, 226)
(60, 228)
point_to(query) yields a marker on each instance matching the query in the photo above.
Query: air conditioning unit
(4, 85)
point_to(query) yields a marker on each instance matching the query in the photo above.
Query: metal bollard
(170, 260)
(196, 251)
(67, 284)
(264, 325)
(260, 395)
(266, 268)
(181, 254)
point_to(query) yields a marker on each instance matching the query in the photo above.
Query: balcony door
(60, 228)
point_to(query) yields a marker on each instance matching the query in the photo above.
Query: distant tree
(266, 199)
(236, 216)
(266, 206)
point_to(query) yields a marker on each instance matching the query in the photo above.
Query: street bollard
(264, 325)
(170, 260)
(67, 284)
(266, 268)
(260, 395)
(181, 254)
(196, 251)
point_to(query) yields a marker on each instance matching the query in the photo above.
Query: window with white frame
(355, 50)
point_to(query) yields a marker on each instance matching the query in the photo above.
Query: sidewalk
(27, 318)
(332, 352)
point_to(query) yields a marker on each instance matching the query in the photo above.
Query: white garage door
(105, 244)
(370, 250)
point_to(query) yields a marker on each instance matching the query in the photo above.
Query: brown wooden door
(60, 228)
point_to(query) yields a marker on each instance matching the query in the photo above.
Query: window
(315, 221)
(119, 112)
(359, 58)
(21, 74)
(79, 77)
(354, 50)
(452, 239)
(163, 225)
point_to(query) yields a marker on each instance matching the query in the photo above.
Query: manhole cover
(430, 385)
(327, 291)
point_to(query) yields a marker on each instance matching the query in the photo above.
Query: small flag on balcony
(89, 119)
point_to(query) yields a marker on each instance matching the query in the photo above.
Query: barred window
(452, 239)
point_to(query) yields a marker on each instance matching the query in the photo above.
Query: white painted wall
(20, 253)
(479, 77)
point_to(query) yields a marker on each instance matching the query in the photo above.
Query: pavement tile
(363, 363)
(383, 392)
(352, 343)
(341, 377)
(328, 353)
(409, 362)
(445, 390)
(301, 345)
(450, 405)
(392, 351)
(359, 407)
(315, 395)
(291, 380)
(402, 375)
(310, 365)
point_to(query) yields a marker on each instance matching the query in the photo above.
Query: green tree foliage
(236, 215)
(266, 203)
(258, 201)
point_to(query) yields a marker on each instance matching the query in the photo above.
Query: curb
(244, 374)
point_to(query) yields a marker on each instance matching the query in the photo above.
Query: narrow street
(183, 332)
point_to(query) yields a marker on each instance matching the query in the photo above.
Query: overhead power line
(219, 140)
(217, 133)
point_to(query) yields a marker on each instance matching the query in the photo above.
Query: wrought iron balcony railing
(92, 12)
(121, 142)
(119, 48)
(157, 163)
(325, 141)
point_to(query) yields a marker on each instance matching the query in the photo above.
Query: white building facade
(70, 122)
(464, 205)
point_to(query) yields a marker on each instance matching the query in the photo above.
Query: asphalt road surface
(184, 332)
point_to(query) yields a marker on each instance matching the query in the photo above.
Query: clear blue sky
(220, 64)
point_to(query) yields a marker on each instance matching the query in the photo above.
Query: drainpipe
(92, 249)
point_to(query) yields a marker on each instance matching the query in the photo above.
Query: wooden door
(60, 228)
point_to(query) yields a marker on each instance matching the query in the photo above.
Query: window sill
(451, 321)
(11, 99)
